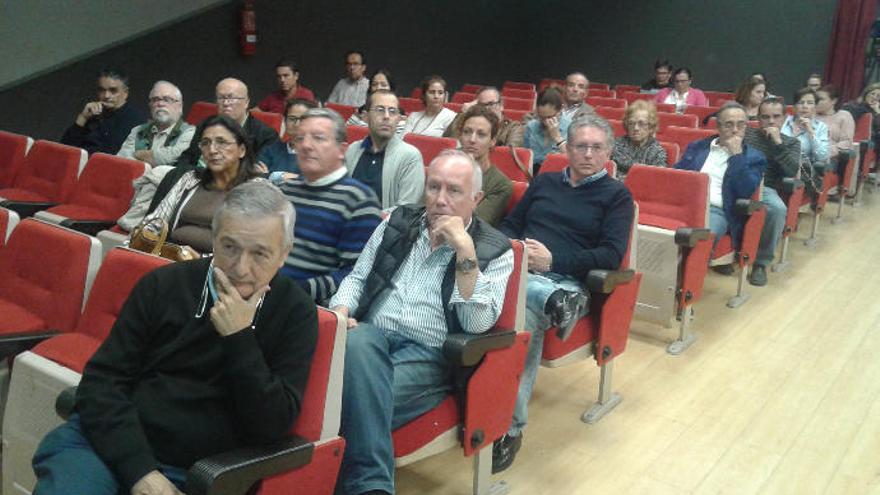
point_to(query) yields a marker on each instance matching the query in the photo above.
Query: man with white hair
(395, 368)
(166, 135)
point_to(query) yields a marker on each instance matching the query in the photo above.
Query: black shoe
(565, 308)
(724, 269)
(758, 276)
(504, 452)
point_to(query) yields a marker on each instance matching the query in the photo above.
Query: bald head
(232, 99)
(166, 104)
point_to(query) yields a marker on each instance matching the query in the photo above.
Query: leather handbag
(150, 237)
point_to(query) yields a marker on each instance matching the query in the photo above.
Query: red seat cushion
(660, 221)
(418, 432)
(71, 350)
(14, 194)
(17, 319)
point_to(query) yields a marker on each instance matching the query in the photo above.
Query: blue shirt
(816, 149)
(534, 138)
(279, 157)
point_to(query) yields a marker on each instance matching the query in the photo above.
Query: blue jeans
(717, 223)
(538, 290)
(388, 382)
(66, 463)
(773, 226)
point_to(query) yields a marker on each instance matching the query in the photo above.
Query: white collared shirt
(715, 166)
(680, 101)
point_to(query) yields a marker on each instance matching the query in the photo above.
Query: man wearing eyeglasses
(351, 89)
(104, 123)
(392, 168)
(510, 132)
(233, 101)
(564, 242)
(783, 158)
(279, 159)
(734, 169)
(165, 136)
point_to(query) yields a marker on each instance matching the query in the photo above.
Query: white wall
(40, 35)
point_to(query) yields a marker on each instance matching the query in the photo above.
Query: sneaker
(565, 308)
(504, 452)
(758, 276)
(724, 269)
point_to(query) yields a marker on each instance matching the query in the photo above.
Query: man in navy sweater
(572, 221)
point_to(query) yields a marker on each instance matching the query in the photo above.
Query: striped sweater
(333, 223)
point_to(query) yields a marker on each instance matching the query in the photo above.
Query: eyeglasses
(731, 125)
(293, 119)
(491, 104)
(220, 144)
(583, 149)
(638, 123)
(392, 111)
(677, 81)
(229, 99)
(164, 99)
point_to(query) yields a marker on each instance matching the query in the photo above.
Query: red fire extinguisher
(248, 29)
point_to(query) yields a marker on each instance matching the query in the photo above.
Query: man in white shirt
(165, 136)
(351, 89)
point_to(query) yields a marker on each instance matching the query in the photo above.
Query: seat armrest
(745, 207)
(689, 236)
(12, 344)
(236, 471)
(90, 227)
(465, 349)
(604, 281)
(791, 184)
(65, 403)
(26, 209)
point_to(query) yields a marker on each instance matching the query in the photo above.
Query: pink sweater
(694, 97)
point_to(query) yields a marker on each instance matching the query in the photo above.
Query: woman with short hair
(639, 145)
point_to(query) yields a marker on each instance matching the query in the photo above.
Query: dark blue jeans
(65, 463)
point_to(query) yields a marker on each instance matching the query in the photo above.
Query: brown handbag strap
(519, 163)
(161, 241)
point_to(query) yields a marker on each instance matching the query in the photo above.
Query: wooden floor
(779, 396)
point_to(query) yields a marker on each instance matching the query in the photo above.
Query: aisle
(780, 396)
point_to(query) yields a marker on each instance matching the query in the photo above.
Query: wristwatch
(466, 265)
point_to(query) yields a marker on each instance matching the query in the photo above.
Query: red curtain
(846, 56)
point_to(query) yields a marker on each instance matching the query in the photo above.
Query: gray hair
(730, 105)
(332, 116)
(591, 120)
(257, 199)
(487, 88)
(176, 89)
(455, 153)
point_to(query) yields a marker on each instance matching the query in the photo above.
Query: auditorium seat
(274, 120)
(518, 103)
(546, 83)
(610, 112)
(101, 195)
(556, 162)
(416, 93)
(866, 154)
(515, 115)
(344, 111)
(430, 146)
(674, 245)
(627, 88)
(463, 97)
(601, 334)
(46, 178)
(665, 120)
(356, 133)
(715, 97)
(601, 93)
(410, 105)
(599, 101)
(57, 363)
(633, 96)
(200, 111)
(617, 127)
(524, 94)
(702, 113)
(455, 107)
(518, 85)
(487, 369)
(519, 189)
(504, 161)
(841, 176)
(471, 88)
(672, 152)
(792, 194)
(13, 148)
(683, 136)
(599, 86)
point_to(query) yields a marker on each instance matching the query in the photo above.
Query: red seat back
(519, 85)
(515, 115)
(601, 93)
(524, 94)
(471, 88)
(519, 189)
(344, 111)
(683, 136)
(13, 148)
(356, 133)
(518, 103)
(631, 97)
(599, 101)
(715, 97)
(275, 121)
(617, 127)
(416, 93)
(455, 107)
(599, 86)
(665, 107)
(105, 186)
(462, 97)
(200, 111)
(45, 270)
(610, 112)
(50, 170)
(545, 83)
(863, 128)
(665, 120)
(503, 160)
(410, 105)
(701, 113)
(669, 198)
(8, 222)
(627, 88)
(430, 146)
(672, 152)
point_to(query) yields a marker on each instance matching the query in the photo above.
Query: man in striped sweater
(335, 214)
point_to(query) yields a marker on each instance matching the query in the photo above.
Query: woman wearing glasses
(681, 94)
(435, 118)
(188, 197)
(813, 136)
(639, 144)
